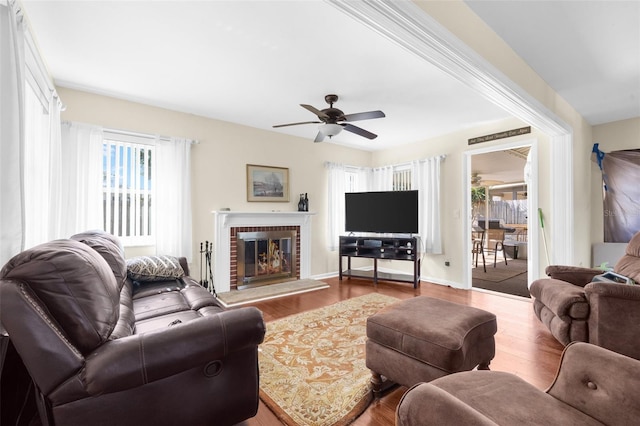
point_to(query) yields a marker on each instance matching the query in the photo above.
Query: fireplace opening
(265, 257)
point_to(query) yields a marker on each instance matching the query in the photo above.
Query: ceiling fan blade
(319, 137)
(364, 115)
(358, 131)
(295, 124)
(321, 115)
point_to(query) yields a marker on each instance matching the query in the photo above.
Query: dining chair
(477, 236)
(495, 243)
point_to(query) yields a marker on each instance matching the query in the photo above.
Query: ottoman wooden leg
(380, 384)
(376, 382)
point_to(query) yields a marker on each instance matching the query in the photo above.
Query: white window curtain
(37, 167)
(336, 188)
(81, 179)
(12, 67)
(335, 204)
(55, 170)
(173, 197)
(382, 179)
(425, 177)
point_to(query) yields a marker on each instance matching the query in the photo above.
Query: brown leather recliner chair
(102, 350)
(607, 314)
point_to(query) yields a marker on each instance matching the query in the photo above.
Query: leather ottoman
(420, 339)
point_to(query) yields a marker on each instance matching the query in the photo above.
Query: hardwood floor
(523, 345)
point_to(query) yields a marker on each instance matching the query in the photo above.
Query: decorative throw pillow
(154, 268)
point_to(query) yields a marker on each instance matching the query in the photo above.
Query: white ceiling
(254, 62)
(588, 51)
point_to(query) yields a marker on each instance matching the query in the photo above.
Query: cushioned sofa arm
(426, 404)
(142, 358)
(563, 299)
(575, 275)
(620, 291)
(615, 315)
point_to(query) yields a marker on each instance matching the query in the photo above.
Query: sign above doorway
(501, 135)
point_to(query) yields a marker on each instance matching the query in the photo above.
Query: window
(402, 179)
(127, 182)
(350, 181)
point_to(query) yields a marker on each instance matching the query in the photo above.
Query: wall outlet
(447, 263)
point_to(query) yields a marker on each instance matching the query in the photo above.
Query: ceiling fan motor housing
(334, 114)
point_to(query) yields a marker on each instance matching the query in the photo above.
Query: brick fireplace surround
(228, 223)
(233, 263)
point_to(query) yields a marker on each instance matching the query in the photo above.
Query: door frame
(532, 208)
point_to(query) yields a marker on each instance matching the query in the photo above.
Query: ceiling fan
(331, 119)
(477, 181)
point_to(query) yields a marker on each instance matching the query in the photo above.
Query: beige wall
(454, 146)
(615, 136)
(219, 171)
(219, 162)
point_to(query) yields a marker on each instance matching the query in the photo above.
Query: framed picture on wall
(266, 183)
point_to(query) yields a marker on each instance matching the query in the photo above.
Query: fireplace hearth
(265, 257)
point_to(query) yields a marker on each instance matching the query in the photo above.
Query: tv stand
(391, 248)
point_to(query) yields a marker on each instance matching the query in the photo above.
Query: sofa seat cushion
(163, 321)
(434, 331)
(562, 298)
(142, 289)
(501, 398)
(167, 297)
(159, 304)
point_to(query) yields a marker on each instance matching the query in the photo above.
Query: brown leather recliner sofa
(607, 314)
(593, 386)
(103, 349)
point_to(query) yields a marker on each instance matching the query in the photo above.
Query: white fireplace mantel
(225, 220)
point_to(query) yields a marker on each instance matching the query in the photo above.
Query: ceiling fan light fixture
(330, 129)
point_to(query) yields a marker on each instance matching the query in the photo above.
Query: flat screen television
(385, 212)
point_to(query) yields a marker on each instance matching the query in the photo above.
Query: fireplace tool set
(206, 265)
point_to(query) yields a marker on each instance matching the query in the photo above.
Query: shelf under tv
(389, 248)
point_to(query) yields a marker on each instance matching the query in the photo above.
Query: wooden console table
(376, 248)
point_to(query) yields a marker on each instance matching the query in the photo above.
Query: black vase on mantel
(306, 202)
(301, 203)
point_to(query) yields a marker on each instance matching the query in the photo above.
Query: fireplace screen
(265, 257)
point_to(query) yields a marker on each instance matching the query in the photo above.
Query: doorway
(502, 201)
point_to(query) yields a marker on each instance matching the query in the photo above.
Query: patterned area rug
(500, 273)
(509, 279)
(312, 365)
